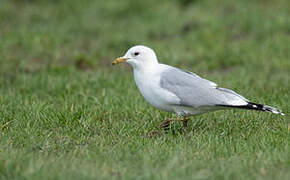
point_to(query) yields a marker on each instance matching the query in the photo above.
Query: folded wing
(194, 91)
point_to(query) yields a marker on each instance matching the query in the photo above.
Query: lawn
(66, 113)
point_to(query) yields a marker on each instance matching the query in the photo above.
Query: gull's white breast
(148, 83)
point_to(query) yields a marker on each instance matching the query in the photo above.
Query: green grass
(66, 113)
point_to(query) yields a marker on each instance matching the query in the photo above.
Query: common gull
(183, 92)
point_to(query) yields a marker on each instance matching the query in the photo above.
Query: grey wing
(195, 91)
(198, 77)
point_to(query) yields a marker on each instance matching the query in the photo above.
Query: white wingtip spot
(278, 112)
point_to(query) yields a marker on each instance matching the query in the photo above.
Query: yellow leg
(165, 125)
(184, 121)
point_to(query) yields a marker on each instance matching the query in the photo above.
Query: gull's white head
(138, 56)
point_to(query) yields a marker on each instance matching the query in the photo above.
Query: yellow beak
(119, 60)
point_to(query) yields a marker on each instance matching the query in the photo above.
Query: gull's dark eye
(136, 53)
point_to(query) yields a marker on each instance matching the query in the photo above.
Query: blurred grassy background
(66, 113)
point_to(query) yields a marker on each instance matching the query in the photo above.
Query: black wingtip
(257, 107)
